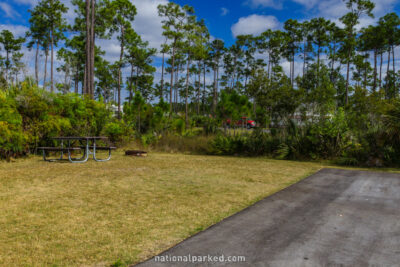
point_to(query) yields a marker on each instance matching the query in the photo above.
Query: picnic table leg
(94, 149)
(102, 160)
(44, 155)
(62, 153)
(94, 154)
(85, 157)
(48, 160)
(45, 158)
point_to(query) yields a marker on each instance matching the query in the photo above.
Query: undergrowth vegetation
(368, 134)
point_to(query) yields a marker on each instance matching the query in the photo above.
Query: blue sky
(224, 18)
(221, 15)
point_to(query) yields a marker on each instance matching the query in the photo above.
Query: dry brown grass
(179, 144)
(63, 214)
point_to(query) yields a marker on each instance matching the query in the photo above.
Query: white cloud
(8, 10)
(17, 30)
(111, 47)
(298, 67)
(254, 24)
(26, 2)
(147, 23)
(277, 4)
(384, 6)
(70, 15)
(224, 11)
(307, 3)
(334, 9)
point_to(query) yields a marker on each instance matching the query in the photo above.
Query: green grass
(128, 209)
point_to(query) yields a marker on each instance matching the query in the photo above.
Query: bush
(178, 125)
(12, 141)
(12, 138)
(118, 132)
(31, 116)
(255, 144)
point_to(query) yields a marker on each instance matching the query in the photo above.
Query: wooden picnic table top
(79, 138)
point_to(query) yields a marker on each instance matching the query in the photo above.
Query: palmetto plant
(391, 122)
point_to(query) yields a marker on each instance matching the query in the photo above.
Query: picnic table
(86, 143)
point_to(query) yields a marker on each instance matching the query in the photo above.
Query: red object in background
(245, 122)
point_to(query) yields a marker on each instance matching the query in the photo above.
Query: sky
(225, 18)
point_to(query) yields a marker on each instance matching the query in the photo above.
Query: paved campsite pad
(334, 217)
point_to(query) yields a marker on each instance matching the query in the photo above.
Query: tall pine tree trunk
(131, 85)
(7, 66)
(92, 49)
(387, 75)
(119, 70)
(36, 62)
(293, 68)
(333, 61)
(348, 77)
(375, 70)
(388, 65)
(85, 89)
(214, 106)
(162, 76)
(176, 89)
(365, 71)
(380, 71)
(199, 91)
(76, 80)
(187, 93)
(394, 70)
(217, 80)
(393, 59)
(318, 63)
(204, 85)
(172, 78)
(45, 65)
(52, 61)
(304, 58)
(137, 79)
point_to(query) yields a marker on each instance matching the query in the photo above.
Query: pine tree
(53, 11)
(37, 33)
(173, 25)
(350, 20)
(11, 46)
(124, 13)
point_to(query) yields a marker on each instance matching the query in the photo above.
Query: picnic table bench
(87, 144)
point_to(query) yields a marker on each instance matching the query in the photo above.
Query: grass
(128, 209)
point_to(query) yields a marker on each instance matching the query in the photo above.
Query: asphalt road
(332, 218)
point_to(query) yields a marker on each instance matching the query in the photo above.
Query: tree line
(327, 62)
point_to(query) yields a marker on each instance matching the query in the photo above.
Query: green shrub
(228, 145)
(118, 132)
(12, 138)
(178, 125)
(12, 141)
(31, 116)
(148, 139)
